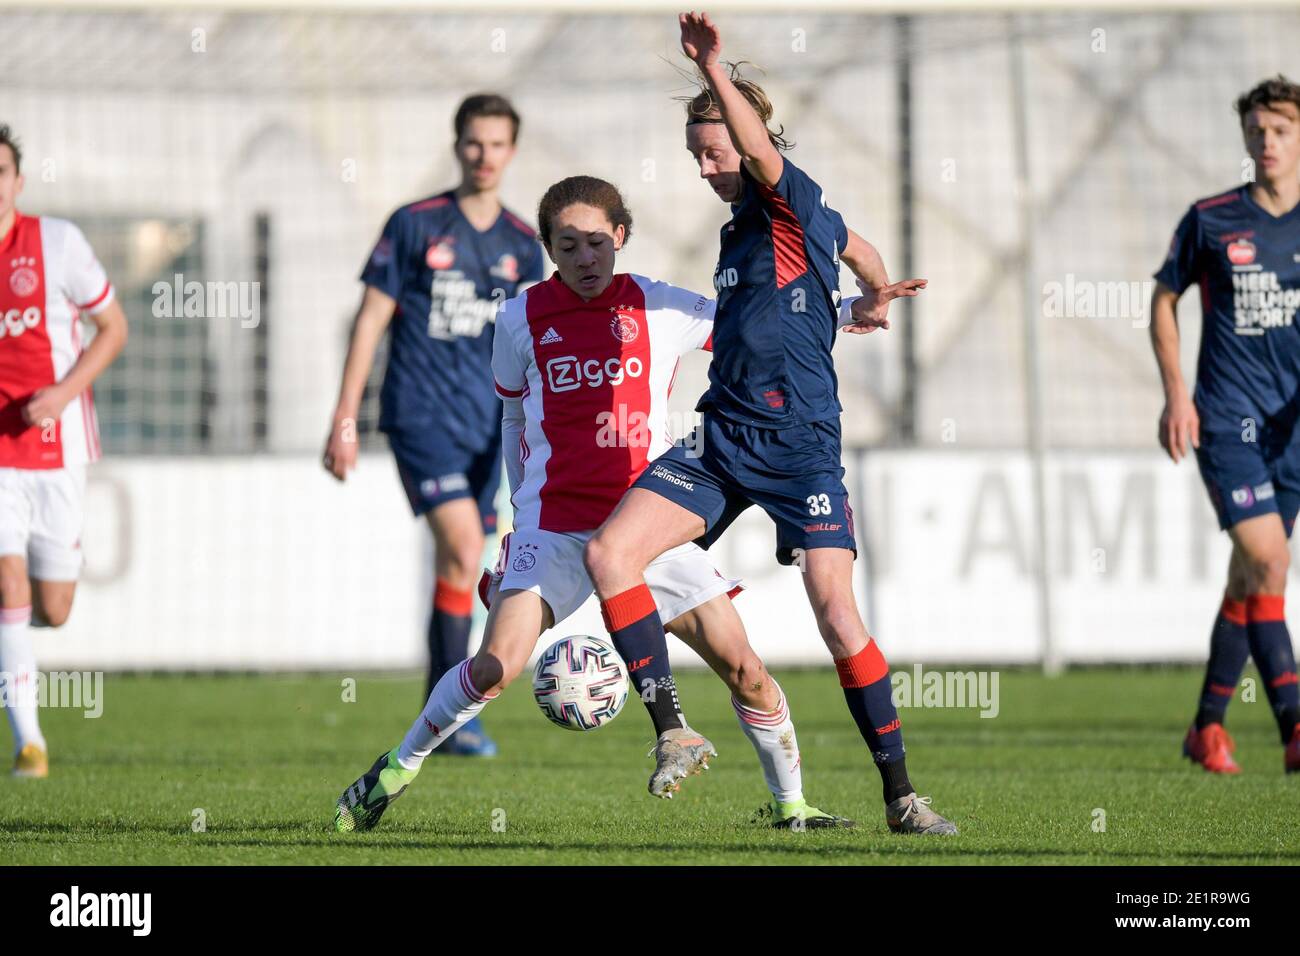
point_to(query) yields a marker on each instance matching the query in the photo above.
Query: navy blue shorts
(435, 470)
(1250, 478)
(794, 474)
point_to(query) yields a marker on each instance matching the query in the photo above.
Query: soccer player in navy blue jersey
(1242, 248)
(436, 279)
(770, 434)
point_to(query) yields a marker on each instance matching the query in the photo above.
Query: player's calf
(15, 585)
(18, 674)
(1229, 651)
(52, 603)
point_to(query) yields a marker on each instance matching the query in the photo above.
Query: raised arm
(1179, 422)
(702, 42)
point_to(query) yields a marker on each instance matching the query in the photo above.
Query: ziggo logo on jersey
(565, 372)
(16, 323)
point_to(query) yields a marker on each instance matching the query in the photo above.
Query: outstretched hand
(871, 312)
(701, 40)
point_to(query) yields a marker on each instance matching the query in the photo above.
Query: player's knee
(491, 675)
(461, 567)
(748, 676)
(600, 556)
(1268, 571)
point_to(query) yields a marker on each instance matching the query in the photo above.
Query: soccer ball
(580, 683)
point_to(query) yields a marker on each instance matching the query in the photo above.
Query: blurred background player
(1243, 248)
(770, 434)
(442, 267)
(584, 362)
(49, 278)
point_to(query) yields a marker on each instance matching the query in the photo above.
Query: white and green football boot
(800, 815)
(363, 803)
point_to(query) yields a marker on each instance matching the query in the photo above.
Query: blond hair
(701, 107)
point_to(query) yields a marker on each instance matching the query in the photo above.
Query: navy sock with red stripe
(1270, 645)
(448, 635)
(1229, 651)
(865, 679)
(633, 622)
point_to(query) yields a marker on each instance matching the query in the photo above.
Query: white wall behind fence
(268, 563)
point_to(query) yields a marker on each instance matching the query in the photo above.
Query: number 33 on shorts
(823, 519)
(819, 505)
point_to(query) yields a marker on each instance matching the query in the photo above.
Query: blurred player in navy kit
(1243, 248)
(438, 275)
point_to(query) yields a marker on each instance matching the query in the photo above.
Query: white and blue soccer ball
(580, 683)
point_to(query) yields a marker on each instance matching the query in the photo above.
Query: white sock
(772, 735)
(453, 701)
(18, 676)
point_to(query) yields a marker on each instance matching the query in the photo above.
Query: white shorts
(549, 563)
(40, 519)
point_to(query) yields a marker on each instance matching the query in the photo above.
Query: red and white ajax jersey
(594, 378)
(48, 276)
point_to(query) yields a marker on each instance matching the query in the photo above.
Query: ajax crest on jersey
(624, 328)
(580, 683)
(23, 280)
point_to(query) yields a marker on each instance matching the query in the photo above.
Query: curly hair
(589, 191)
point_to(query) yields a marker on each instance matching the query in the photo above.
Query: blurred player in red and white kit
(49, 280)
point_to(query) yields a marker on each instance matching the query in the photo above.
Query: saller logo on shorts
(566, 372)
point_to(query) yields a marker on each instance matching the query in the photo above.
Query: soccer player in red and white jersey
(49, 280)
(584, 363)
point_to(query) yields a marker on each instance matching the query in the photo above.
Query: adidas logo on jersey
(551, 337)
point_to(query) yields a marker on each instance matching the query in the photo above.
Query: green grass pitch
(264, 759)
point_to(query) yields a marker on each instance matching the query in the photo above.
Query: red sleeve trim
(507, 392)
(1220, 200)
(108, 288)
